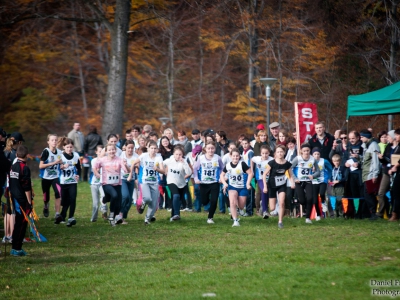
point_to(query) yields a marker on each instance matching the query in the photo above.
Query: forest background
(114, 64)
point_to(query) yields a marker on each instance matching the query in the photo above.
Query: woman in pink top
(111, 180)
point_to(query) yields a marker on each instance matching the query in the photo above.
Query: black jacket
(386, 157)
(325, 147)
(91, 142)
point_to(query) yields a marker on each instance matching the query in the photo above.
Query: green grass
(331, 259)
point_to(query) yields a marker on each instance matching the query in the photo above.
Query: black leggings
(304, 192)
(319, 189)
(68, 199)
(113, 195)
(209, 194)
(46, 184)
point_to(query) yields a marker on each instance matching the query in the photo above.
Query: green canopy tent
(381, 102)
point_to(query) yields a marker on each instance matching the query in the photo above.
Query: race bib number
(68, 176)
(280, 180)
(151, 175)
(112, 179)
(303, 174)
(235, 180)
(209, 175)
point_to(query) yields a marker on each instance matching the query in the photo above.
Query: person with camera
(350, 151)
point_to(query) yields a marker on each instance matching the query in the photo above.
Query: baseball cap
(260, 127)
(17, 136)
(195, 131)
(274, 124)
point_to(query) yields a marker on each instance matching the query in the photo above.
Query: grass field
(331, 259)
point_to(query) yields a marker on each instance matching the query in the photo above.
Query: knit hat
(315, 149)
(366, 135)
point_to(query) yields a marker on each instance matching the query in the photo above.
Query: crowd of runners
(348, 174)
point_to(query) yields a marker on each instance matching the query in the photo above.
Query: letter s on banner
(306, 117)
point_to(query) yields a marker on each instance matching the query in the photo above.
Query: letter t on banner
(306, 117)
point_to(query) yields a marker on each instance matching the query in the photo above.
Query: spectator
(370, 170)
(322, 140)
(146, 130)
(77, 137)
(274, 128)
(383, 140)
(92, 140)
(385, 159)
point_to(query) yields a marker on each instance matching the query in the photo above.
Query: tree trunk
(114, 103)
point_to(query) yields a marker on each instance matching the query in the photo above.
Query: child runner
(207, 170)
(68, 180)
(150, 164)
(260, 164)
(21, 195)
(177, 170)
(49, 166)
(305, 169)
(128, 156)
(226, 159)
(112, 139)
(247, 156)
(320, 183)
(276, 184)
(239, 176)
(111, 166)
(96, 188)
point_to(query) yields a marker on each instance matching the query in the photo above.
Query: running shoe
(146, 222)
(111, 217)
(141, 208)
(7, 240)
(58, 218)
(280, 225)
(21, 252)
(45, 211)
(118, 219)
(308, 221)
(236, 224)
(70, 222)
(175, 218)
(318, 218)
(265, 215)
(153, 219)
(103, 208)
(210, 221)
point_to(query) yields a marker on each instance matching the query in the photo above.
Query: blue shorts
(241, 191)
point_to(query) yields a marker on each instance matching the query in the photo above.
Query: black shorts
(272, 192)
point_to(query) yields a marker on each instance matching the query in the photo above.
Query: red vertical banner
(306, 117)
